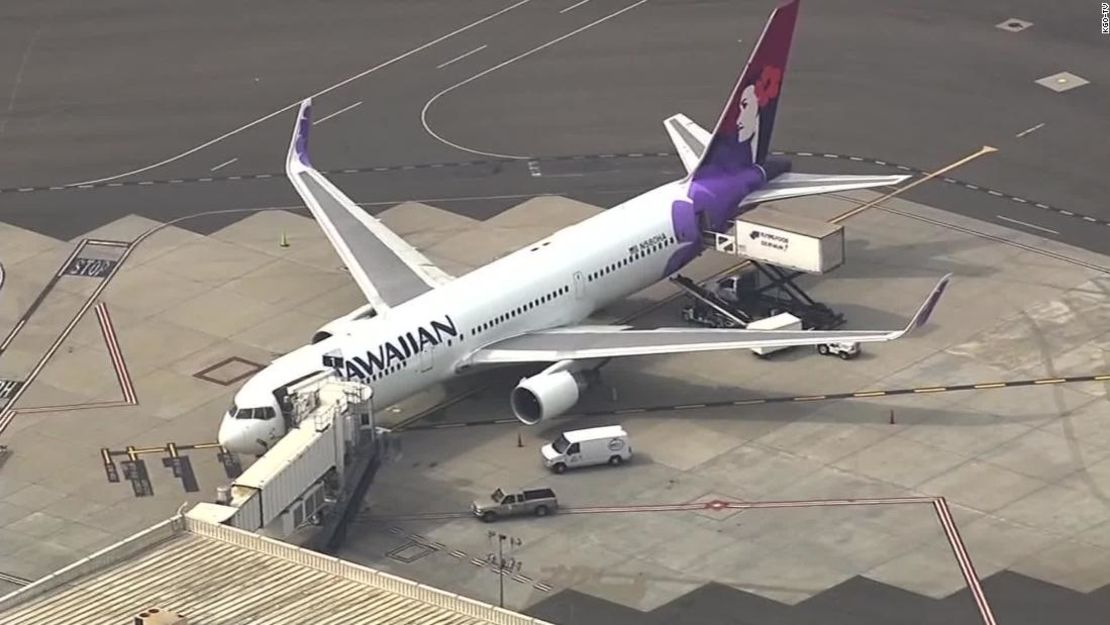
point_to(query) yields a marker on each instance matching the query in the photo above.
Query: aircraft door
(705, 228)
(427, 357)
(579, 285)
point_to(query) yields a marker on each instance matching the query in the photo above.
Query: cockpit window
(262, 414)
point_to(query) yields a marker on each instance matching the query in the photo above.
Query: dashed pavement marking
(867, 394)
(575, 157)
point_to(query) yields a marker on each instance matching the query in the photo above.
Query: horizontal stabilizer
(791, 185)
(689, 139)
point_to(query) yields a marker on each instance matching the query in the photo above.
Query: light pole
(503, 565)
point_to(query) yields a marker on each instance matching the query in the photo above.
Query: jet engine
(337, 326)
(549, 393)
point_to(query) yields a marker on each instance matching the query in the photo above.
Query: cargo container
(783, 321)
(790, 241)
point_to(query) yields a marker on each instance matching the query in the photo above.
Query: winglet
(922, 315)
(298, 147)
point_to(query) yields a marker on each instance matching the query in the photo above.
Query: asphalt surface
(142, 95)
(95, 93)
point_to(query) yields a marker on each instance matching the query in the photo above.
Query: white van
(583, 448)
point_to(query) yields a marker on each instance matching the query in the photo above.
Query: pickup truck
(538, 501)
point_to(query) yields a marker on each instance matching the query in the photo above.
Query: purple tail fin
(743, 133)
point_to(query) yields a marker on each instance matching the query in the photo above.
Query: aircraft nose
(232, 436)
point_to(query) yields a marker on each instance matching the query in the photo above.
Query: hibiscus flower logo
(767, 87)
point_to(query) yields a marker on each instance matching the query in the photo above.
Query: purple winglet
(304, 123)
(926, 309)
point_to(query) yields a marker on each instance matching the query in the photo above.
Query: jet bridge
(300, 478)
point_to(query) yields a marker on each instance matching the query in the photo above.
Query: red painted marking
(127, 387)
(50, 351)
(944, 514)
(940, 506)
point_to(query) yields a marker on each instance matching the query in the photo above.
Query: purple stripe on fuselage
(718, 199)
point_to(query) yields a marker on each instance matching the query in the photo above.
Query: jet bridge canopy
(303, 472)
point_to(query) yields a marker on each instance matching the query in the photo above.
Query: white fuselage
(557, 281)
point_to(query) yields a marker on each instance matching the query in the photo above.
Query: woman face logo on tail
(747, 122)
(753, 98)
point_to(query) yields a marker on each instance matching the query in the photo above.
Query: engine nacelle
(338, 326)
(547, 394)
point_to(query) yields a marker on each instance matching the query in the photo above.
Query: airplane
(422, 326)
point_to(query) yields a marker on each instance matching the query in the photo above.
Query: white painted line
(462, 56)
(433, 99)
(224, 164)
(344, 82)
(1029, 225)
(1029, 130)
(578, 4)
(339, 112)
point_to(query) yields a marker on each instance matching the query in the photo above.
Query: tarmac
(1022, 470)
(134, 333)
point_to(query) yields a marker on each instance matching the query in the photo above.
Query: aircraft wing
(387, 269)
(594, 342)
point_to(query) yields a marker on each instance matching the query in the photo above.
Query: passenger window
(573, 449)
(509, 499)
